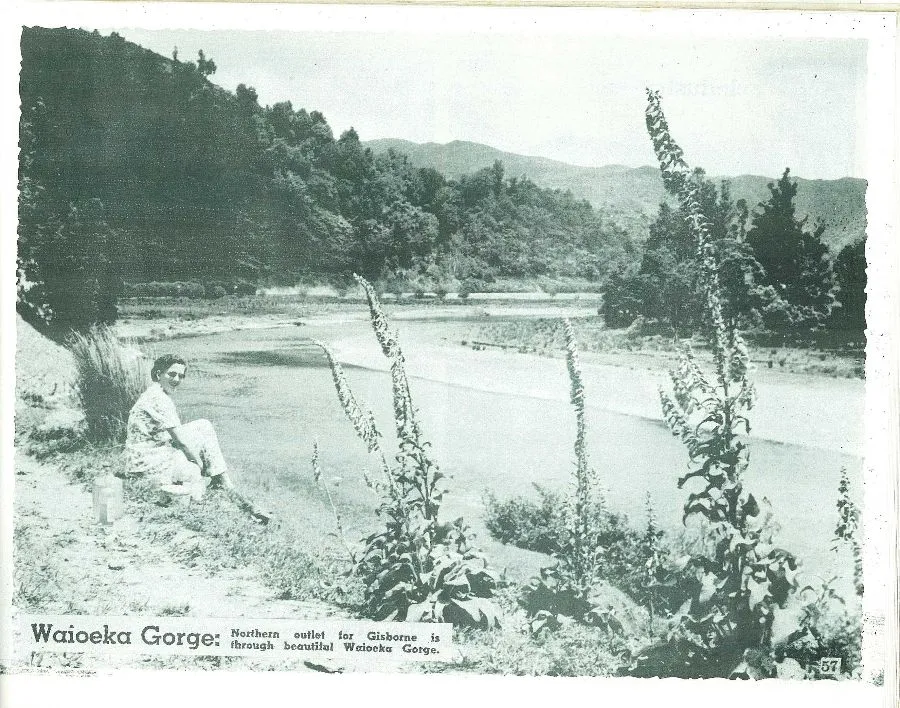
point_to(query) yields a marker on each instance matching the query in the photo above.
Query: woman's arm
(182, 442)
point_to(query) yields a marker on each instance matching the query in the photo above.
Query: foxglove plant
(566, 587)
(847, 530)
(743, 577)
(417, 568)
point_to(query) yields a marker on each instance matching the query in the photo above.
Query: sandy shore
(801, 409)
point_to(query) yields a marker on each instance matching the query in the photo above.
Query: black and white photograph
(458, 341)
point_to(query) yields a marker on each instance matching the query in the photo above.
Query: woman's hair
(162, 364)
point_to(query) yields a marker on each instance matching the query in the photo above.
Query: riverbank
(209, 560)
(154, 560)
(148, 562)
(272, 381)
(497, 321)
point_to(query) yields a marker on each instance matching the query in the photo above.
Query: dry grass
(109, 379)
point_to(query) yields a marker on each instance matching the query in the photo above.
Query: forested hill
(627, 192)
(137, 165)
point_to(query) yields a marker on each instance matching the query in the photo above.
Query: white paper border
(229, 688)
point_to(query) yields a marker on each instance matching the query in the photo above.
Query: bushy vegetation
(190, 289)
(136, 167)
(522, 522)
(109, 379)
(418, 567)
(850, 271)
(638, 562)
(774, 272)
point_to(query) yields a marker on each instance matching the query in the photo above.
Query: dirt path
(69, 564)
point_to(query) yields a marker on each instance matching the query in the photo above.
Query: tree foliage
(199, 183)
(774, 273)
(850, 272)
(796, 265)
(666, 286)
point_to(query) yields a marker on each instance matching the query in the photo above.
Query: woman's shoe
(249, 508)
(221, 481)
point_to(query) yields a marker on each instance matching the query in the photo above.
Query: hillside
(628, 192)
(138, 168)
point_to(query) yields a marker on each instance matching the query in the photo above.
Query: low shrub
(469, 286)
(639, 564)
(214, 291)
(535, 526)
(109, 378)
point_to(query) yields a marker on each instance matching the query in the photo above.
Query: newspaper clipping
(450, 341)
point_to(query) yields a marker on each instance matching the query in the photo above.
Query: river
(501, 422)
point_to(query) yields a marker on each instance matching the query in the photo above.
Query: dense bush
(254, 191)
(109, 379)
(522, 522)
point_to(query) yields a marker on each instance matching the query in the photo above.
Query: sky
(736, 106)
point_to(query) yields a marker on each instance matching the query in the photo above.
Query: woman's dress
(148, 447)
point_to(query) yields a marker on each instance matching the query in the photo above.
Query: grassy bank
(213, 536)
(300, 564)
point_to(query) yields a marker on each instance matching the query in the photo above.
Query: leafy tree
(75, 258)
(69, 259)
(850, 270)
(666, 287)
(795, 262)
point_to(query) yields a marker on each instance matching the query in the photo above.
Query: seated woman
(163, 449)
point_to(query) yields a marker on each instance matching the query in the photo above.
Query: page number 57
(829, 666)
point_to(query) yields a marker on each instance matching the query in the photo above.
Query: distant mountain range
(632, 195)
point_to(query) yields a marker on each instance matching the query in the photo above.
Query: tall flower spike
(362, 419)
(404, 413)
(383, 333)
(576, 395)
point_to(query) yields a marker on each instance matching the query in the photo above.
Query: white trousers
(201, 437)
